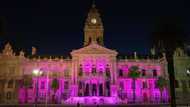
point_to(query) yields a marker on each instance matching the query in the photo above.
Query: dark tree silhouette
(167, 35)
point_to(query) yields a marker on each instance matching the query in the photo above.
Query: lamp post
(37, 73)
(188, 71)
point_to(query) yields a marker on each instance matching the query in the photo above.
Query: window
(144, 85)
(9, 95)
(108, 74)
(80, 84)
(42, 85)
(176, 84)
(184, 83)
(154, 73)
(120, 72)
(66, 85)
(143, 72)
(121, 85)
(80, 71)
(11, 70)
(101, 72)
(10, 84)
(93, 70)
(108, 71)
(66, 72)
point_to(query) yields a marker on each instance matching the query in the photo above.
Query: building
(182, 75)
(93, 74)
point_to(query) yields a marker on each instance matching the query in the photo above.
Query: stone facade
(182, 76)
(92, 72)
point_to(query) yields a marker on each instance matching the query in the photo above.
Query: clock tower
(93, 30)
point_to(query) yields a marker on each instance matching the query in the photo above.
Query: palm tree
(161, 83)
(134, 74)
(55, 86)
(27, 82)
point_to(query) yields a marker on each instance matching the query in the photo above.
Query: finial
(34, 50)
(93, 4)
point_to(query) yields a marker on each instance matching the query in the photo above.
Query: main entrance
(92, 100)
(93, 88)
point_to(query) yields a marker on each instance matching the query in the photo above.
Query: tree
(134, 74)
(55, 87)
(27, 82)
(161, 83)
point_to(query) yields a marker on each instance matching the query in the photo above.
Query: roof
(94, 48)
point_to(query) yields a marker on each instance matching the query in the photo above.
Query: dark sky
(55, 27)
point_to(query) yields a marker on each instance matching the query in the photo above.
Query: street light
(37, 73)
(188, 71)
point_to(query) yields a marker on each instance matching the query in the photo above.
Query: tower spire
(93, 4)
(93, 29)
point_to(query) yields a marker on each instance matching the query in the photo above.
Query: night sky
(55, 27)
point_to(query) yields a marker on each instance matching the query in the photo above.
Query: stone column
(114, 70)
(97, 89)
(113, 87)
(74, 85)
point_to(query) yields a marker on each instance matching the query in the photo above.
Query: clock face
(93, 20)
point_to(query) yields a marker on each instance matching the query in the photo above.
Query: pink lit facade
(92, 74)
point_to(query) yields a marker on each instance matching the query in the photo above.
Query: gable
(94, 48)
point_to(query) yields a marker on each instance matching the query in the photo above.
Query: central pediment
(94, 48)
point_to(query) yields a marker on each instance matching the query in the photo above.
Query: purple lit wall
(145, 92)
